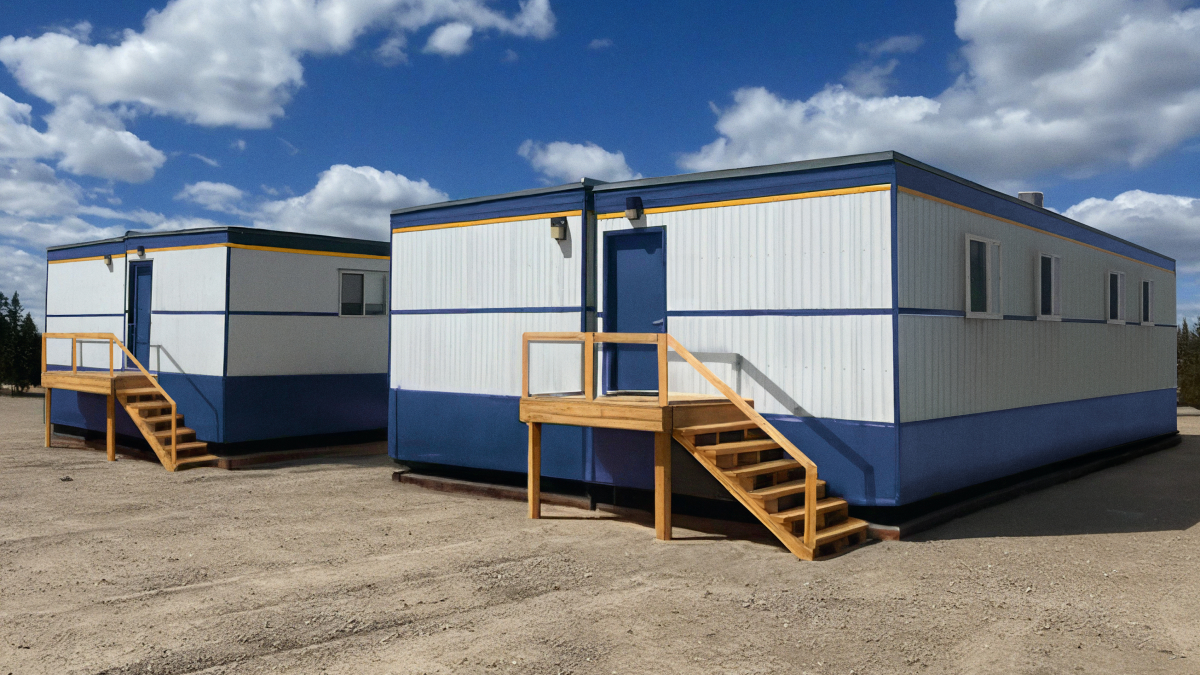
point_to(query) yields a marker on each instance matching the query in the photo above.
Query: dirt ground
(333, 568)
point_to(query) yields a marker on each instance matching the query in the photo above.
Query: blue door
(635, 301)
(140, 276)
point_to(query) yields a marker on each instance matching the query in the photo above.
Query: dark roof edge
(995, 193)
(134, 234)
(787, 167)
(584, 183)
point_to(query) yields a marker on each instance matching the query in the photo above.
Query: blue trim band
(932, 312)
(869, 311)
(1018, 317)
(174, 312)
(1084, 321)
(490, 310)
(236, 313)
(79, 316)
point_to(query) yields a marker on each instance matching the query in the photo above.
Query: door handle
(657, 323)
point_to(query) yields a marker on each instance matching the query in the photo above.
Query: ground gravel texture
(333, 568)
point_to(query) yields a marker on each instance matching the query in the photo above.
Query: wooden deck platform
(629, 411)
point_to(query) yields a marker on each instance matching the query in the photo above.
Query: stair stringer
(789, 540)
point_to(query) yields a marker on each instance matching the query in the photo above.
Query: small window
(1147, 303)
(363, 293)
(1116, 297)
(1049, 285)
(983, 278)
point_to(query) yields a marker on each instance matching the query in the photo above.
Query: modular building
(912, 332)
(255, 334)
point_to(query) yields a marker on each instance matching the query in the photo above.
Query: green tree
(28, 355)
(1188, 360)
(5, 339)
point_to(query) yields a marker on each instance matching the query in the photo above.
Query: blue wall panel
(477, 431)
(283, 406)
(950, 453)
(857, 460)
(201, 399)
(88, 411)
(623, 458)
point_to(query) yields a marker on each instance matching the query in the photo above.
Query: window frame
(1146, 297)
(386, 292)
(1120, 320)
(993, 278)
(1055, 287)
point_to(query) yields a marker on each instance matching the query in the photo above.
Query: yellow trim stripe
(486, 221)
(96, 257)
(757, 200)
(226, 245)
(968, 209)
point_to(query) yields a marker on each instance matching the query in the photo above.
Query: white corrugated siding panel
(271, 281)
(514, 264)
(953, 366)
(481, 353)
(307, 345)
(818, 253)
(91, 355)
(825, 366)
(86, 287)
(191, 280)
(187, 343)
(931, 242)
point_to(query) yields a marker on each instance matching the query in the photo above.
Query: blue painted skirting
(236, 409)
(953, 452)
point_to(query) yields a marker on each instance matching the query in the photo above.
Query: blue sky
(322, 116)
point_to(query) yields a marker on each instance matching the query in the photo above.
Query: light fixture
(141, 251)
(558, 228)
(108, 259)
(633, 208)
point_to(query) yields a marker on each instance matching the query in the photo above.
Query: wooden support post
(589, 366)
(662, 485)
(111, 437)
(535, 469)
(662, 372)
(49, 391)
(73, 350)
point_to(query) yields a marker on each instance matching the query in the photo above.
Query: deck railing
(112, 341)
(664, 341)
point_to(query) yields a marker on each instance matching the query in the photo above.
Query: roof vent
(1034, 198)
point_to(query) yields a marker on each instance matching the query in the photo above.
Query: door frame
(605, 266)
(131, 317)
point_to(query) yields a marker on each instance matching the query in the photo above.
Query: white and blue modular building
(257, 334)
(912, 332)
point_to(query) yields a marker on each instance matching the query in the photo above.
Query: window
(1147, 303)
(363, 294)
(1116, 297)
(983, 278)
(1049, 285)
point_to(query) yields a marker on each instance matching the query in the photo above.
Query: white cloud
(511, 56)
(871, 79)
(897, 44)
(452, 39)
(32, 190)
(1051, 86)
(568, 162)
(234, 62)
(239, 145)
(600, 43)
(1168, 224)
(24, 274)
(207, 160)
(347, 201)
(212, 196)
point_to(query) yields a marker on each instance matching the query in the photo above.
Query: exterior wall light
(633, 208)
(141, 251)
(108, 259)
(558, 228)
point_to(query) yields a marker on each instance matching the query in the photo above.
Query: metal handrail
(665, 341)
(75, 338)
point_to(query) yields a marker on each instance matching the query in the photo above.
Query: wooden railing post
(535, 470)
(73, 350)
(524, 366)
(43, 352)
(174, 413)
(662, 370)
(810, 507)
(589, 366)
(110, 357)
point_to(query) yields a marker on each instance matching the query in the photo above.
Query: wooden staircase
(152, 410)
(771, 485)
(756, 463)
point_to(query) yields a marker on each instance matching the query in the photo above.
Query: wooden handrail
(665, 341)
(114, 340)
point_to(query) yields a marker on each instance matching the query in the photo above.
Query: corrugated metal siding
(188, 280)
(84, 287)
(270, 281)
(91, 355)
(481, 353)
(819, 253)
(825, 366)
(931, 243)
(952, 366)
(513, 264)
(187, 343)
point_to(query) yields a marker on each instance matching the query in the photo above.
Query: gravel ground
(333, 568)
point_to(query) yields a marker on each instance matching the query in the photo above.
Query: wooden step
(772, 466)
(148, 405)
(188, 449)
(164, 435)
(720, 428)
(165, 419)
(824, 506)
(723, 449)
(197, 461)
(843, 529)
(792, 487)
(138, 391)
